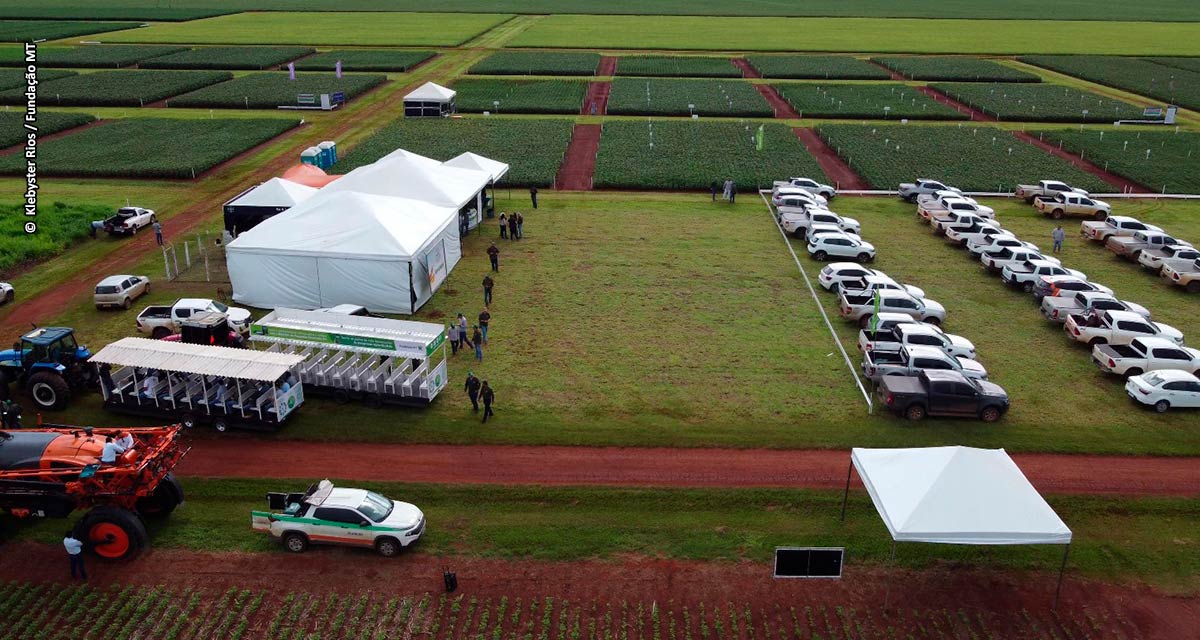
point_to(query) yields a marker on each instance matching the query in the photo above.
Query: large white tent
(494, 168)
(386, 253)
(252, 206)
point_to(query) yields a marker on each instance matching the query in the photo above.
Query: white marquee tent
(468, 160)
(258, 203)
(429, 99)
(386, 253)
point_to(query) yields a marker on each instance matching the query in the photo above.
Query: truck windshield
(375, 507)
(219, 307)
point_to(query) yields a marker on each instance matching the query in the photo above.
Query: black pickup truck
(942, 393)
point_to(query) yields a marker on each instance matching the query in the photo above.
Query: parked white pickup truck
(1113, 226)
(996, 243)
(1145, 354)
(915, 334)
(944, 222)
(1025, 275)
(1073, 204)
(835, 274)
(781, 196)
(840, 245)
(1132, 246)
(997, 259)
(161, 321)
(1118, 327)
(1087, 304)
(1186, 276)
(859, 309)
(128, 221)
(809, 185)
(868, 285)
(954, 205)
(911, 190)
(1045, 189)
(963, 236)
(910, 361)
(797, 223)
(1175, 255)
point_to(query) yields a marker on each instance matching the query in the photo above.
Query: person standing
(732, 192)
(74, 549)
(713, 188)
(484, 318)
(1058, 235)
(464, 336)
(452, 336)
(503, 225)
(472, 389)
(488, 397)
(727, 187)
(477, 339)
(158, 232)
(494, 251)
(512, 226)
(521, 226)
(488, 283)
(533, 196)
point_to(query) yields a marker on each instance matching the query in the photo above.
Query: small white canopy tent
(468, 160)
(258, 203)
(956, 495)
(385, 253)
(429, 99)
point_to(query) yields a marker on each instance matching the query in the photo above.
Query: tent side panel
(268, 281)
(379, 285)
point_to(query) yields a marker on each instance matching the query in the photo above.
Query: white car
(1164, 389)
(823, 228)
(835, 274)
(7, 293)
(809, 185)
(120, 291)
(999, 242)
(334, 515)
(841, 245)
(778, 196)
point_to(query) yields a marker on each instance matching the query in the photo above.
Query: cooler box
(311, 155)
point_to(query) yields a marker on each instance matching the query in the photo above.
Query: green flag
(875, 316)
(758, 138)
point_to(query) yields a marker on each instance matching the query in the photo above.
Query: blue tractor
(49, 364)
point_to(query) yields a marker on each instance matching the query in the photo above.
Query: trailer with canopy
(376, 360)
(199, 384)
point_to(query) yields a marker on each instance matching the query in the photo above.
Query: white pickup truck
(915, 334)
(1045, 189)
(1087, 304)
(911, 190)
(997, 259)
(161, 321)
(797, 223)
(910, 361)
(868, 285)
(1118, 327)
(128, 221)
(1145, 354)
(809, 185)
(1113, 226)
(859, 309)
(945, 207)
(1025, 275)
(782, 197)
(1175, 256)
(943, 223)
(1074, 205)
(963, 236)
(1131, 247)
(998, 242)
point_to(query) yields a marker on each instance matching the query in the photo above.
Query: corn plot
(227, 58)
(270, 89)
(669, 97)
(870, 101)
(110, 56)
(817, 67)
(1164, 161)
(476, 95)
(1039, 102)
(1143, 77)
(960, 68)
(677, 66)
(116, 88)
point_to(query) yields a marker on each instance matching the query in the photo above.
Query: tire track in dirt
(644, 467)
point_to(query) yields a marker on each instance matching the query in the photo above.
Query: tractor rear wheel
(167, 495)
(49, 390)
(114, 533)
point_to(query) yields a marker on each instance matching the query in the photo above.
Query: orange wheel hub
(109, 540)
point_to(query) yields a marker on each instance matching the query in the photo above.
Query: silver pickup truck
(859, 309)
(1101, 231)
(910, 361)
(913, 335)
(1087, 304)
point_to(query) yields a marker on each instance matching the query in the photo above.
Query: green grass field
(315, 29)
(862, 34)
(118, 55)
(876, 101)
(476, 95)
(270, 89)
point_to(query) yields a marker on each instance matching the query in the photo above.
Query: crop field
(670, 97)
(677, 66)
(1189, 64)
(1039, 102)
(875, 101)
(365, 60)
(318, 29)
(149, 147)
(227, 58)
(110, 56)
(1173, 85)
(139, 10)
(1160, 160)
(955, 68)
(974, 158)
(533, 149)
(528, 63)
(269, 89)
(119, 87)
(31, 30)
(12, 132)
(59, 226)
(816, 67)
(476, 95)
(709, 33)
(690, 155)
(10, 78)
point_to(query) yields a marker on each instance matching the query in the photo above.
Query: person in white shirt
(149, 384)
(126, 440)
(75, 552)
(110, 452)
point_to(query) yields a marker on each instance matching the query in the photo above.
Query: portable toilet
(311, 155)
(328, 153)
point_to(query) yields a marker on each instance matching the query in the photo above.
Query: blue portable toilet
(328, 152)
(311, 155)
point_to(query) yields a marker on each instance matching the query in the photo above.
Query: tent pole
(887, 592)
(846, 493)
(1061, 570)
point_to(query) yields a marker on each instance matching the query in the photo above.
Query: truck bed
(885, 356)
(902, 385)
(1117, 351)
(157, 312)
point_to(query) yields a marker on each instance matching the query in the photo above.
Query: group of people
(512, 226)
(478, 390)
(462, 335)
(728, 190)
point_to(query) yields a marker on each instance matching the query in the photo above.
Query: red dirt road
(597, 99)
(836, 169)
(607, 66)
(893, 74)
(579, 162)
(515, 465)
(748, 70)
(782, 108)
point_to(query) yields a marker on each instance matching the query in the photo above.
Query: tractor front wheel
(49, 390)
(114, 533)
(167, 495)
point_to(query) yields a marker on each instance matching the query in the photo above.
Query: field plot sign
(809, 562)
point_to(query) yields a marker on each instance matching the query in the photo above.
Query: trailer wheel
(388, 547)
(295, 542)
(114, 533)
(220, 425)
(167, 495)
(160, 332)
(915, 412)
(188, 420)
(49, 390)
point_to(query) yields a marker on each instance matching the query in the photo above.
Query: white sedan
(1164, 389)
(841, 245)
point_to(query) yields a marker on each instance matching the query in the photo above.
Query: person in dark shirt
(503, 225)
(533, 196)
(488, 397)
(494, 251)
(521, 226)
(714, 187)
(472, 389)
(488, 283)
(477, 340)
(484, 318)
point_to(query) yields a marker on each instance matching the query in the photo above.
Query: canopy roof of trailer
(199, 359)
(364, 334)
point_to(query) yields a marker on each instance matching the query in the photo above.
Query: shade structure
(345, 247)
(431, 91)
(198, 359)
(494, 168)
(957, 495)
(252, 206)
(404, 174)
(429, 100)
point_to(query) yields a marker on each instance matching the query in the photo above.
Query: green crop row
(119, 87)
(76, 10)
(532, 148)
(271, 89)
(227, 58)
(663, 97)
(10, 78)
(149, 147)
(107, 56)
(677, 66)
(690, 155)
(58, 226)
(1189, 64)
(954, 68)
(1039, 102)
(12, 130)
(365, 60)
(529, 63)
(874, 101)
(34, 30)
(1159, 160)
(1167, 83)
(476, 95)
(817, 67)
(968, 157)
